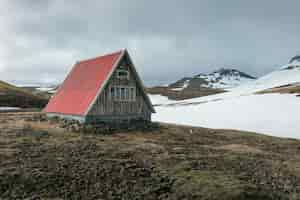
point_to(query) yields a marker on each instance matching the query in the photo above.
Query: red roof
(82, 85)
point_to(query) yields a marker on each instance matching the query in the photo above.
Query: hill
(253, 106)
(12, 96)
(42, 161)
(202, 84)
(286, 75)
(220, 79)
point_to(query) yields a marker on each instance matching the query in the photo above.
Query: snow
(177, 89)
(272, 114)
(241, 108)
(9, 108)
(45, 89)
(219, 81)
(157, 99)
(185, 85)
(274, 79)
(25, 85)
(51, 90)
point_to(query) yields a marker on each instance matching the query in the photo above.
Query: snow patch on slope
(8, 108)
(51, 90)
(271, 114)
(225, 79)
(241, 108)
(220, 79)
(285, 76)
(185, 85)
(157, 99)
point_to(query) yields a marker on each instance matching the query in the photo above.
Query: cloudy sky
(40, 40)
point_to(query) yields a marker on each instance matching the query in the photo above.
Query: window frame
(116, 95)
(123, 77)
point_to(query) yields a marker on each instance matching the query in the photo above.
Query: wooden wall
(108, 109)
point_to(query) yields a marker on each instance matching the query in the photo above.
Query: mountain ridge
(224, 78)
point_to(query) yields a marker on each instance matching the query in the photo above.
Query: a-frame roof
(85, 83)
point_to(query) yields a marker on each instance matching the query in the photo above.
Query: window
(117, 94)
(122, 74)
(126, 93)
(112, 92)
(122, 93)
(132, 94)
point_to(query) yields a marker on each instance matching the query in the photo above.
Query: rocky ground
(40, 159)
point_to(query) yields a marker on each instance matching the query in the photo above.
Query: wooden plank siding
(108, 109)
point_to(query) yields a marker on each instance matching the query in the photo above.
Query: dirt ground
(39, 160)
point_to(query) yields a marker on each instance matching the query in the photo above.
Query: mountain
(220, 79)
(295, 59)
(13, 96)
(287, 75)
(202, 84)
(248, 107)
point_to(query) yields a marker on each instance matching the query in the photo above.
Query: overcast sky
(169, 39)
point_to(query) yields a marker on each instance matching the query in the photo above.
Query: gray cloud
(41, 40)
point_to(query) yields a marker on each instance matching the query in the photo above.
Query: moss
(209, 184)
(169, 163)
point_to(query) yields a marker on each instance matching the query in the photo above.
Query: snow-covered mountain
(295, 60)
(220, 79)
(288, 74)
(242, 107)
(225, 78)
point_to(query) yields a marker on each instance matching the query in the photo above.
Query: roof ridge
(97, 57)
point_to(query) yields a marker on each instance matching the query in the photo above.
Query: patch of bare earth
(288, 89)
(186, 93)
(40, 160)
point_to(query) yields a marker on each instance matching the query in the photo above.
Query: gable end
(104, 94)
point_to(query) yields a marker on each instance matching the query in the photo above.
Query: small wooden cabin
(103, 89)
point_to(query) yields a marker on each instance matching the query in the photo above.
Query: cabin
(102, 89)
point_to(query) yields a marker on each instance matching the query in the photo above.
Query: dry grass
(290, 89)
(203, 163)
(13, 96)
(240, 148)
(186, 93)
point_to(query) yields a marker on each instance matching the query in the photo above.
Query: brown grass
(240, 148)
(202, 163)
(186, 93)
(289, 89)
(13, 96)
